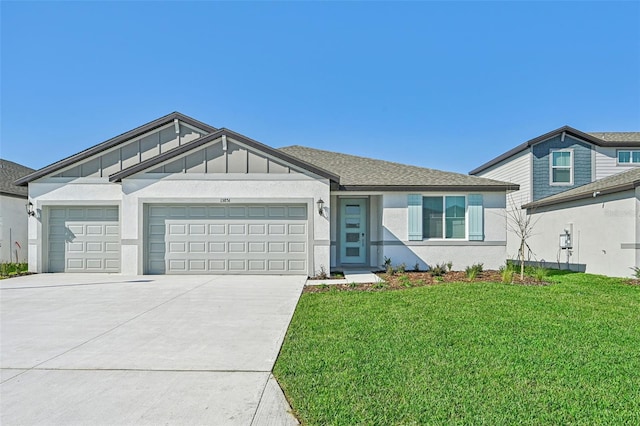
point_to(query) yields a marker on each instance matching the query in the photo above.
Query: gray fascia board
(410, 188)
(13, 195)
(110, 143)
(117, 177)
(568, 129)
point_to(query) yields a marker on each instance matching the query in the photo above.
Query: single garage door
(84, 239)
(227, 239)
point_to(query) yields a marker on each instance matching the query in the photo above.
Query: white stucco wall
(605, 233)
(134, 192)
(13, 228)
(396, 246)
(49, 192)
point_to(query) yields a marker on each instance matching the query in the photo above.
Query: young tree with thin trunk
(521, 224)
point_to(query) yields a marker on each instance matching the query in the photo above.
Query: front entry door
(353, 231)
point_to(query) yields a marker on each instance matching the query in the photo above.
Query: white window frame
(444, 218)
(630, 163)
(552, 167)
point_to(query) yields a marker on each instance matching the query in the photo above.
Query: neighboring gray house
(13, 213)
(556, 165)
(604, 219)
(178, 196)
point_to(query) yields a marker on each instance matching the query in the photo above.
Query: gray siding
(582, 165)
(130, 153)
(215, 159)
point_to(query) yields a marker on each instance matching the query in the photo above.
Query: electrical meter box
(565, 241)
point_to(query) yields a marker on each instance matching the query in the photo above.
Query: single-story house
(13, 213)
(178, 196)
(602, 219)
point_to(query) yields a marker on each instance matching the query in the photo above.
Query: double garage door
(84, 239)
(227, 239)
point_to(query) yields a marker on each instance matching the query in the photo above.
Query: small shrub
(8, 269)
(353, 284)
(387, 262)
(416, 267)
(540, 274)
(472, 273)
(405, 281)
(380, 285)
(636, 272)
(323, 285)
(507, 275)
(449, 266)
(438, 270)
(390, 271)
(474, 270)
(322, 275)
(401, 268)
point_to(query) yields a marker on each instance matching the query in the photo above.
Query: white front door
(353, 231)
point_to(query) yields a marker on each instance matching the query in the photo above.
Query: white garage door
(227, 239)
(84, 239)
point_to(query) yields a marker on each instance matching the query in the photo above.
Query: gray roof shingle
(617, 136)
(616, 183)
(367, 173)
(9, 173)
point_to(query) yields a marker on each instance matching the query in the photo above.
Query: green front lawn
(461, 353)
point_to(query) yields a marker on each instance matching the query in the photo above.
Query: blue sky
(446, 85)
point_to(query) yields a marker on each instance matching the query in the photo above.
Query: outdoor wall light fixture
(320, 204)
(30, 211)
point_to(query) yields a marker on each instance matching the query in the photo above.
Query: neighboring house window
(561, 167)
(629, 157)
(444, 217)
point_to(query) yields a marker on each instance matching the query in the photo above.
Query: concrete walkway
(110, 349)
(350, 276)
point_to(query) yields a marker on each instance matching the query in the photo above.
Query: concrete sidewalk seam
(135, 369)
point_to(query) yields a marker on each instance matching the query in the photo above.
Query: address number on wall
(225, 200)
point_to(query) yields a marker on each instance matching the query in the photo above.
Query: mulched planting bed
(404, 280)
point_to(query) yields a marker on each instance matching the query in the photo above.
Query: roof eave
(117, 177)
(567, 129)
(409, 188)
(582, 195)
(110, 143)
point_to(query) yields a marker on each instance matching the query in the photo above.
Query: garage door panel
(257, 265)
(83, 239)
(217, 265)
(230, 239)
(297, 247)
(297, 265)
(237, 229)
(198, 247)
(299, 212)
(277, 229)
(257, 212)
(297, 229)
(237, 247)
(257, 247)
(220, 229)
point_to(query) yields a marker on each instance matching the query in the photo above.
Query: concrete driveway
(110, 349)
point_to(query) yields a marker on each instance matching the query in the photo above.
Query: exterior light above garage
(29, 207)
(320, 204)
